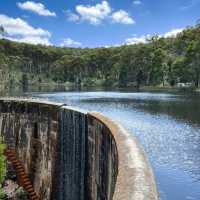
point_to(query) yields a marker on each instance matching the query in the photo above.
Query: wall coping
(43, 102)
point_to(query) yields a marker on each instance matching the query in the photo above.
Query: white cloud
(37, 8)
(113, 45)
(94, 14)
(122, 17)
(137, 39)
(70, 43)
(19, 30)
(144, 38)
(173, 33)
(72, 16)
(17, 26)
(137, 2)
(190, 5)
(31, 40)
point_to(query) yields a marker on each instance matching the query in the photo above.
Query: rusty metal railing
(22, 177)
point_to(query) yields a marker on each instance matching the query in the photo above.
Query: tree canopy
(160, 61)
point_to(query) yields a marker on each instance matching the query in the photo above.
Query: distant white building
(184, 85)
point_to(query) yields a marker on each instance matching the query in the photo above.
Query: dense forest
(159, 62)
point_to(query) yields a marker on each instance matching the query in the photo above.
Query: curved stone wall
(73, 155)
(135, 180)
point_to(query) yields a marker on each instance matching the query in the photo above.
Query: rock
(21, 194)
(10, 188)
(13, 191)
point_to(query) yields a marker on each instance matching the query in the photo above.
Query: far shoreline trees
(160, 62)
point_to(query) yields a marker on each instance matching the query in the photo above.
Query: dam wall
(73, 155)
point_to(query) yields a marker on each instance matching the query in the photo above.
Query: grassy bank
(2, 169)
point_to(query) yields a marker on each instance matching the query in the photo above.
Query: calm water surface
(168, 126)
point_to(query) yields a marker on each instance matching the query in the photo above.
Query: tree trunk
(197, 79)
(196, 83)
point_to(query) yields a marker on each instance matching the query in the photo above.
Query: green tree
(2, 30)
(193, 60)
(158, 66)
(179, 72)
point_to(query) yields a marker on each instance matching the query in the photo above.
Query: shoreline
(60, 87)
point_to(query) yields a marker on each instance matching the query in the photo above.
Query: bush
(2, 163)
(21, 194)
(2, 169)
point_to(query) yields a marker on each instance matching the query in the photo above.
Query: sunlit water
(168, 126)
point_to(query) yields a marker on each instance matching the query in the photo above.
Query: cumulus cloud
(190, 5)
(70, 43)
(37, 8)
(137, 39)
(19, 30)
(122, 17)
(94, 14)
(137, 2)
(31, 40)
(145, 38)
(72, 16)
(173, 33)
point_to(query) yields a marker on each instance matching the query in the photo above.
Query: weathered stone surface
(101, 162)
(135, 180)
(31, 128)
(72, 155)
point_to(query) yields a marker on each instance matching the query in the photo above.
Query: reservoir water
(167, 125)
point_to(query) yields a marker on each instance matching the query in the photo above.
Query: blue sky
(94, 23)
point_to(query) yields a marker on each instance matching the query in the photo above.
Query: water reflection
(168, 125)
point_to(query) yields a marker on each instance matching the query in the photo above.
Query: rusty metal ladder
(22, 176)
